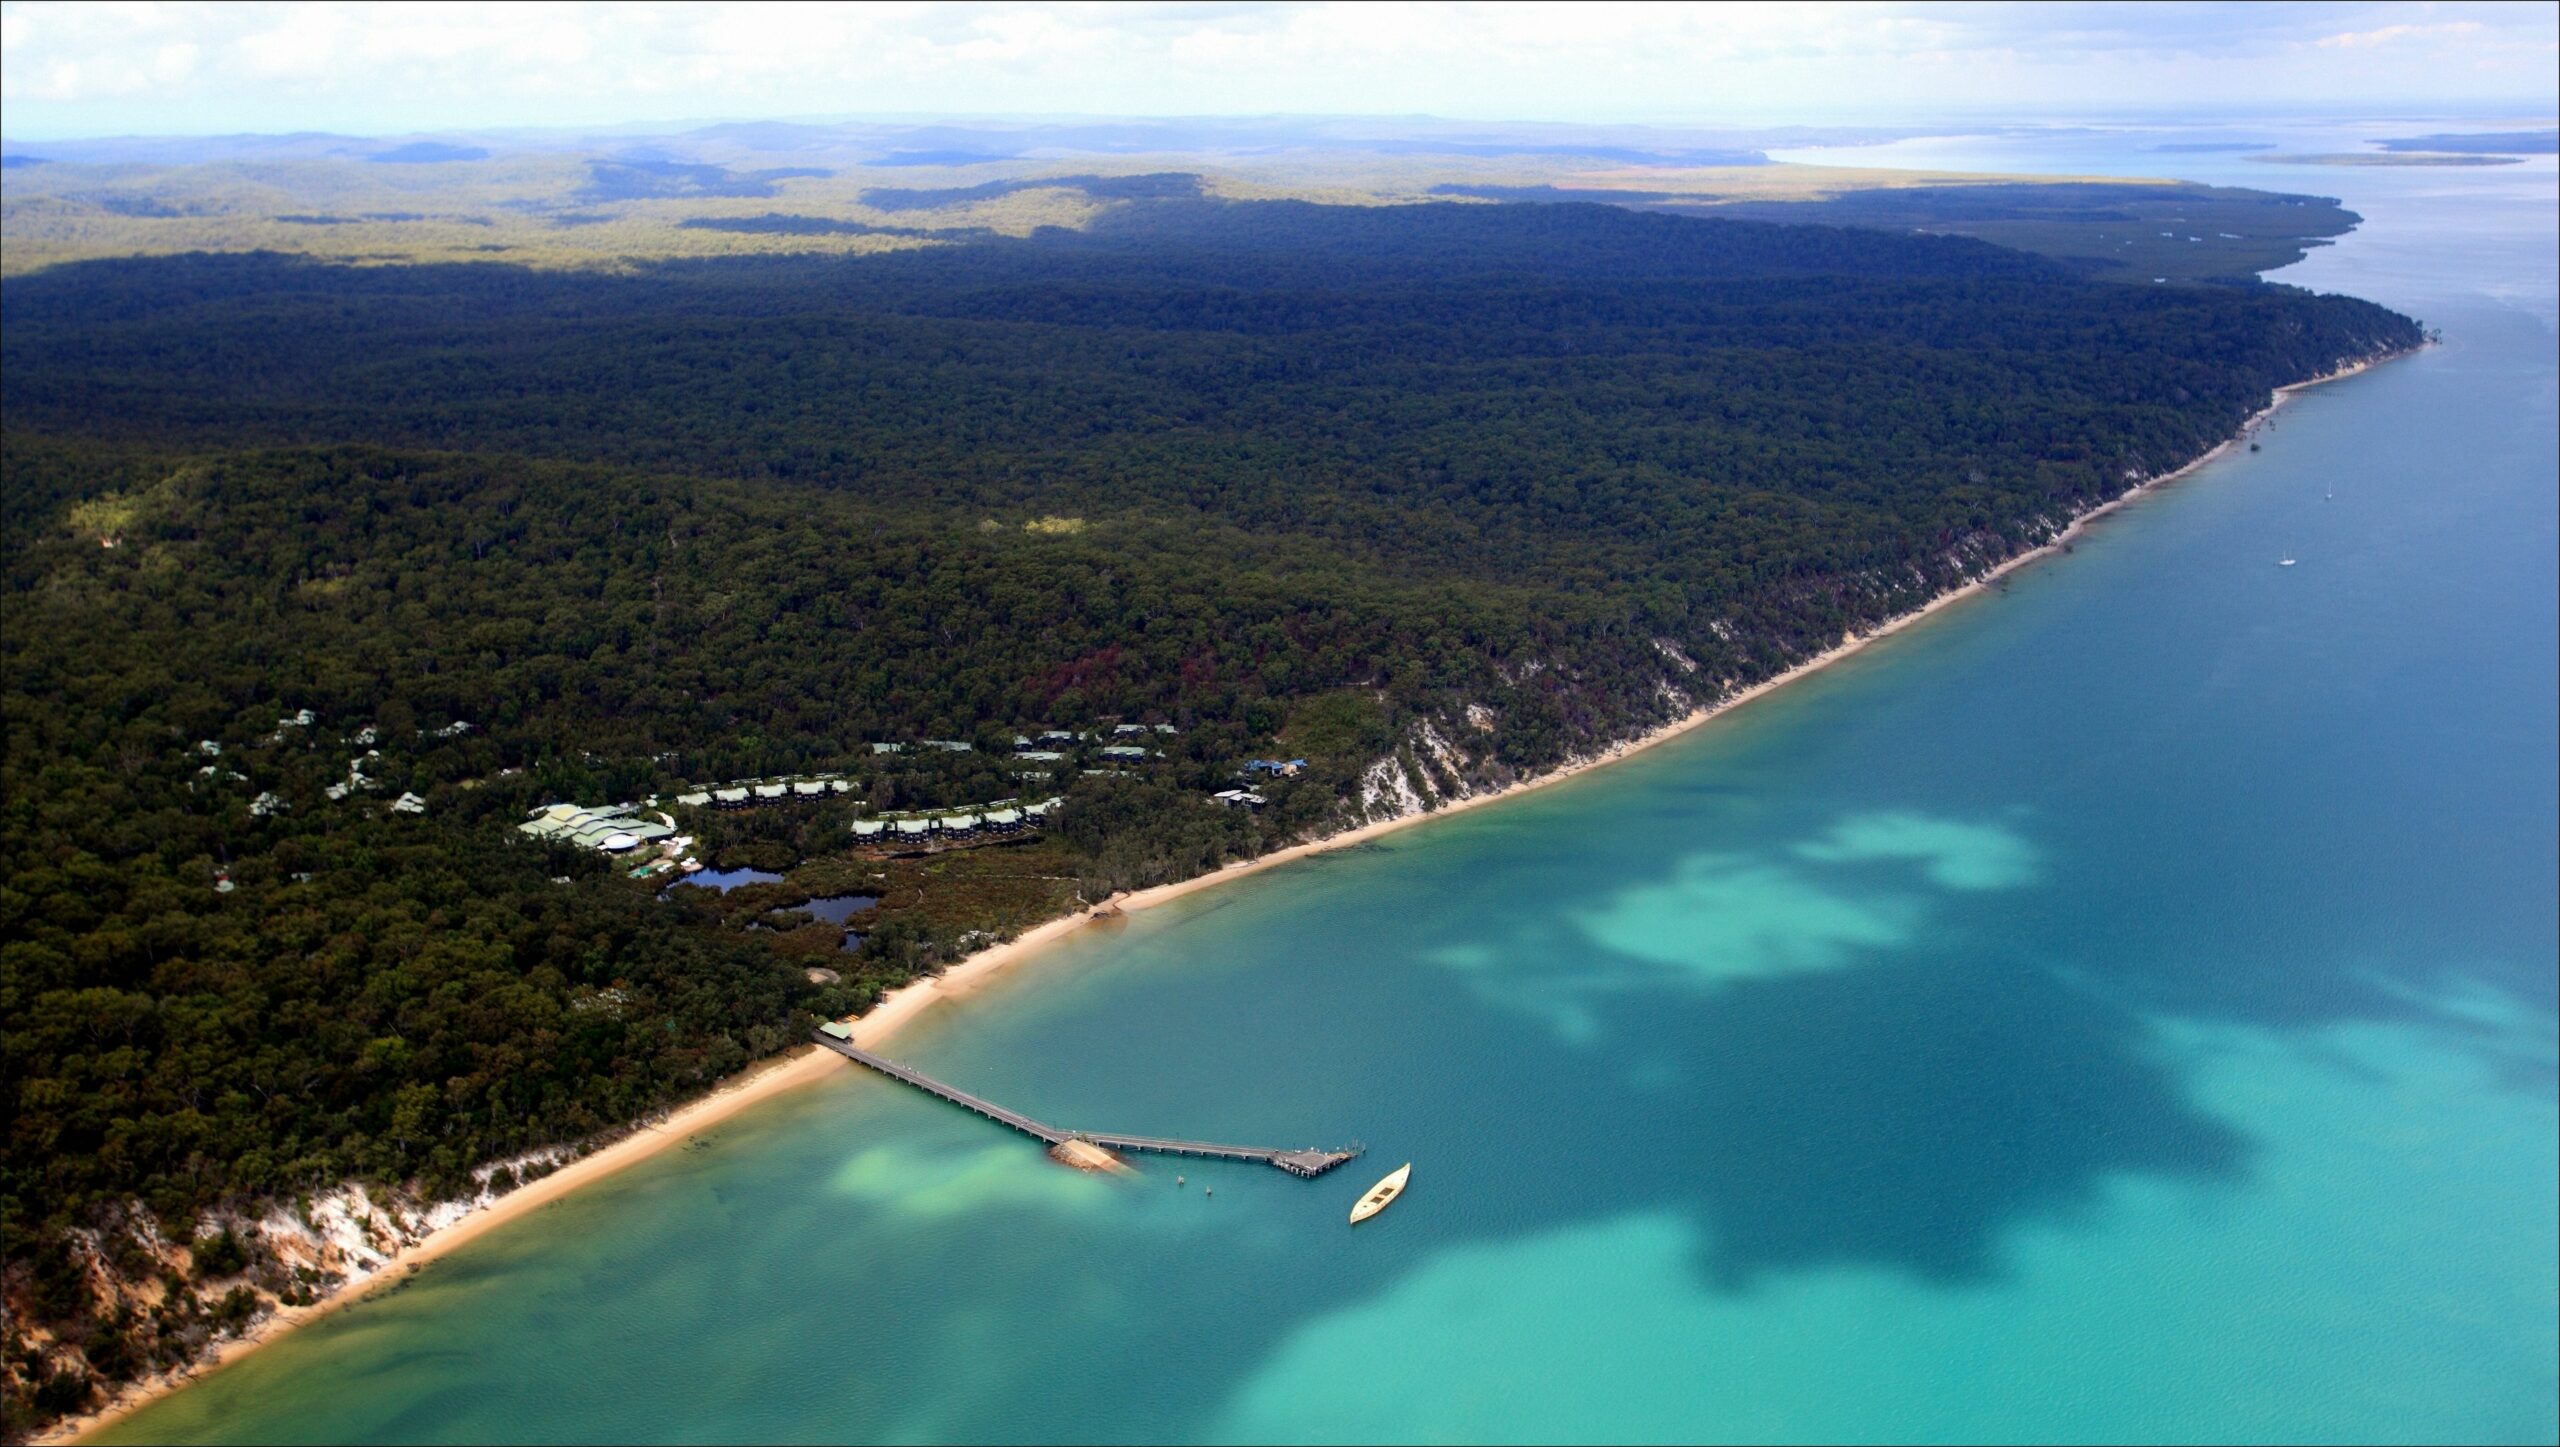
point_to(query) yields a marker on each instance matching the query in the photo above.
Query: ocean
(2120, 1007)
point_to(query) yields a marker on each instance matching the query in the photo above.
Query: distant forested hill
(1592, 395)
(1435, 495)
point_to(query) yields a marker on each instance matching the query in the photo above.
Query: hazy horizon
(1948, 122)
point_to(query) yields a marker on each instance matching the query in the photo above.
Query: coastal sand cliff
(900, 1007)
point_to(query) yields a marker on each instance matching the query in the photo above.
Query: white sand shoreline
(901, 1006)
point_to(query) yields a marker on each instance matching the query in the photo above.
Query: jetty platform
(1308, 1162)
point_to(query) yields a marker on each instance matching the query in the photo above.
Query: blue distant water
(2120, 1008)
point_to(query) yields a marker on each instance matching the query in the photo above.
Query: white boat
(2284, 562)
(1383, 1194)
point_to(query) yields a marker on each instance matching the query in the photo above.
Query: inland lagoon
(2121, 1007)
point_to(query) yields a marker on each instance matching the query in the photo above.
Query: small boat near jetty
(1383, 1194)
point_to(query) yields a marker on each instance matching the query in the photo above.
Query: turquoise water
(2122, 1007)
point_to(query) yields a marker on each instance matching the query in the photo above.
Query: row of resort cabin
(1060, 740)
(997, 821)
(752, 792)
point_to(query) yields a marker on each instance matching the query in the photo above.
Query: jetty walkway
(1307, 1162)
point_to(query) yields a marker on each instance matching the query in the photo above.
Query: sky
(153, 67)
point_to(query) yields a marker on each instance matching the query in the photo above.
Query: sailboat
(2285, 561)
(1383, 1194)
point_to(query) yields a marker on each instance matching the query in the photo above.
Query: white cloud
(2391, 34)
(301, 45)
(69, 68)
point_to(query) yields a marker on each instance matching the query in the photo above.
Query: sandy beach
(902, 1006)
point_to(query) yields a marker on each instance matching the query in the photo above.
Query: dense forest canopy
(1433, 495)
(1582, 391)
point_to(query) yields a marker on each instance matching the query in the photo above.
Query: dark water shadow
(1905, 1107)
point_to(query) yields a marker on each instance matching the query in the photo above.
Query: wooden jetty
(1306, 1162)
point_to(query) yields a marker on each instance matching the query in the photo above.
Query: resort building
(766, 791)
(614, 829)
(1001, 819)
